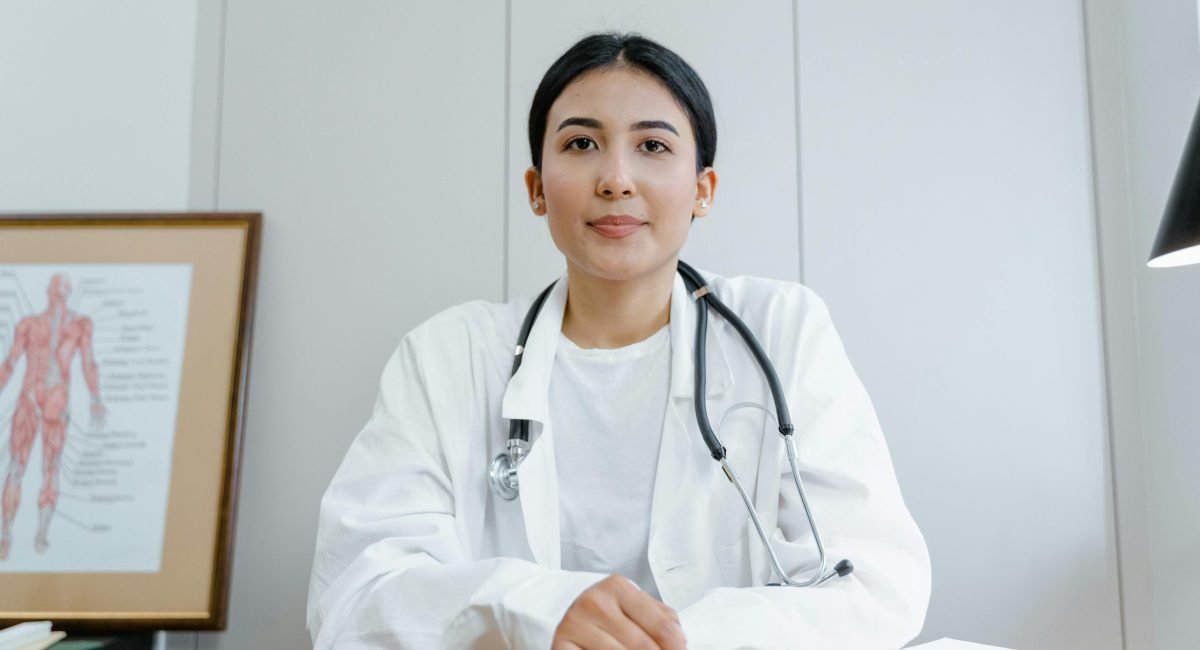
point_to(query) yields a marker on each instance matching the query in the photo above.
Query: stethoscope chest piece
(502, 476)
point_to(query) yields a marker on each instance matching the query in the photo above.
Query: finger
(593, 637)
(628, 633)
(587, 635)
(607, 614)
(565, 645)
(668, 610)
(655, 620)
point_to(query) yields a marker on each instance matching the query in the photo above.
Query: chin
(618, 270)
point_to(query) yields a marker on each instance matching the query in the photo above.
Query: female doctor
(619, 529)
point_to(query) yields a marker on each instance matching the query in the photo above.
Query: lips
(616, 226)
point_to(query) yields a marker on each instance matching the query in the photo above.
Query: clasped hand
(615, 614)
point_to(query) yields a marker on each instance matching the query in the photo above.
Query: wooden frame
(162, 304)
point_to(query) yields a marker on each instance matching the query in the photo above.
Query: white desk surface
(951, 644)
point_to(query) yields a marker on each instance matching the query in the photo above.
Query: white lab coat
(413, 549)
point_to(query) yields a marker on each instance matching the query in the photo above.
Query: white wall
(1145, 69)
(1162, 36)
(372, 139)
(95, 105)
(948, 223)
(940, 198)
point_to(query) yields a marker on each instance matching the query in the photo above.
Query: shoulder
(470, 327)
(84, 323)
(793, 325)
(30, 324)
(767, 299)
(789, 319)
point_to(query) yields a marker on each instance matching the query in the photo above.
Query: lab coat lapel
(538, 479)
(528, 394)
(527, 398)
(683, 456)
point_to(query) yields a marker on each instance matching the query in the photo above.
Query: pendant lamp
(1178, 241)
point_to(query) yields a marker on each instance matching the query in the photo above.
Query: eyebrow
(592, 123)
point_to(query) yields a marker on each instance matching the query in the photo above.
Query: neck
(615, 313)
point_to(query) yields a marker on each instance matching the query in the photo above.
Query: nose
(615, 181)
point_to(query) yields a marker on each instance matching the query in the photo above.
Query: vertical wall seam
(507, 139)
(216, 150)
(799, 176)
(1106, 352)
(216, 200)
(220, 118)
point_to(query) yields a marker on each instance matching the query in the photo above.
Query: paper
(90, 364)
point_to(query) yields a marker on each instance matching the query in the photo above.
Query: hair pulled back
(614, 50)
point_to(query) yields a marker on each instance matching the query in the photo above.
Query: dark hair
(612, 50)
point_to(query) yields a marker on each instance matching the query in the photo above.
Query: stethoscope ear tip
(844, 568)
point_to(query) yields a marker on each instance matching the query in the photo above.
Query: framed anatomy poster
(124, 343)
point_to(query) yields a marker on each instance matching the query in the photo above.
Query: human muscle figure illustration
(49, 342)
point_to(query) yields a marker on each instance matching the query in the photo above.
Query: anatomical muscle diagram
(90, 363)
(48, 341)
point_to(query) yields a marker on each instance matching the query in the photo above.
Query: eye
(655, 146)
(580, 143)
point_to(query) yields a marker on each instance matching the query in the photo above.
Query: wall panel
(948, 223)
(95, 105)
(372, 139)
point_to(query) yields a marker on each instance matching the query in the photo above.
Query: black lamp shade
(1178, 241)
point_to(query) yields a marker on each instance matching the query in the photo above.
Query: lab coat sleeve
(852, 487)
(390, 568)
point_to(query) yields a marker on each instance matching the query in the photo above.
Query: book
(54, 637)
(23, 635)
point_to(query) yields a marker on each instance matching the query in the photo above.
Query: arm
(91, 372)
(14, 353)
(852, 487)
(391, 569)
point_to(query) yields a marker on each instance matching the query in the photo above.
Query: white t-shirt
(608, 408)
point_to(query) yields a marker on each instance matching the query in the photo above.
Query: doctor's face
(618, 183)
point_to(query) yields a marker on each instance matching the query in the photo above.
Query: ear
(706, 191)
(533, 185)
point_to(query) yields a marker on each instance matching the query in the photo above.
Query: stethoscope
(502, 475)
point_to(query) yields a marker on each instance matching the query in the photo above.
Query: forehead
(620, 96)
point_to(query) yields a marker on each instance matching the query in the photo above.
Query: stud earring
(536, 205)
(704, 204)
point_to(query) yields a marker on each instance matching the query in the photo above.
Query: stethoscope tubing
(695, 282)
(502, 474)
(519, 429)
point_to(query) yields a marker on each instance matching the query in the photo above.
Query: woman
(625, 532)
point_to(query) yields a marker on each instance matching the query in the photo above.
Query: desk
(952, 644)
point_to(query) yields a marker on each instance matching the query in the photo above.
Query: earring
(704, 204)
(536, 205)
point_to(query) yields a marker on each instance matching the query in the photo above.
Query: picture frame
(124, 359)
